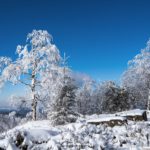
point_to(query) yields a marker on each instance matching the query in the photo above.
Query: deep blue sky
(100, 36)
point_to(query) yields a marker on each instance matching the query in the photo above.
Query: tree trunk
(34, 105)
(34, 100)
(148, 101)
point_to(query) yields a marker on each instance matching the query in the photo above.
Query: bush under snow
(39, 135)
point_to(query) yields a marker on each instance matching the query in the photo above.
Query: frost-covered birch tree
(51, 85)
(39, 56)
(4, 61)
(137, 77)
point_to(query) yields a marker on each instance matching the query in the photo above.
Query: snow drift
(39, 135)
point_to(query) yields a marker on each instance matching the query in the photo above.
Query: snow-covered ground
(40, 135)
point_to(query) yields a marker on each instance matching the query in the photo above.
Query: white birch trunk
(34, 100)
(148, 101)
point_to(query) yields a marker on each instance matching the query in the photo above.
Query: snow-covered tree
(137, 78)
(103, 97)
(4, 61)
(137, 89)
(20, 103)
(84, 98)
(51, 85)
(113, 98)
(9, 121)
(37, 58)
(63, 110)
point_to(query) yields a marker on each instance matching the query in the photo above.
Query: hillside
(40, 135)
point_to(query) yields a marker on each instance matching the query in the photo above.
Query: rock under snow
(110, 121)
(135, 115)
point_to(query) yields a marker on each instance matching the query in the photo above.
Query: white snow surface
(109, 118)
(40, 135)
(134, 112)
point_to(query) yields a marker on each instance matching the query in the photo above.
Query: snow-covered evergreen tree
(63, 109)
(113, 98)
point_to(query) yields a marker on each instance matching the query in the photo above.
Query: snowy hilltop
(60, 110)
(92, 132)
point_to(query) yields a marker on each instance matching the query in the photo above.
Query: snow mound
(136, 115)
(40, 135)
(101, 119)
(134, 112)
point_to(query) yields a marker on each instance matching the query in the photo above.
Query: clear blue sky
(100, 36)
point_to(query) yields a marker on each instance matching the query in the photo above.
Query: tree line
(55, 94)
